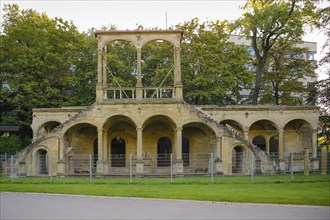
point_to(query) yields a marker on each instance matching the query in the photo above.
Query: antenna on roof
(166, 19)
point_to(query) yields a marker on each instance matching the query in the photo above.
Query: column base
(315, 164)
(21, 168)
(139, 168)
(281, 163)
(60, 168)
(258, 167)
(178, 168)
(218, 170)
(100, 168)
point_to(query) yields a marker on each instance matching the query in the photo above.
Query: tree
(282, 82)
(214, 70)
(266, 22)
(40, 61)
(323, 86)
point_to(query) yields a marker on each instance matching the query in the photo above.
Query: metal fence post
(130, 168)
(171, 169)
(5, 164)
(90, 168)
(50, 169)
(252, 168)
(12, 168)
(212, 180)
(291, 167)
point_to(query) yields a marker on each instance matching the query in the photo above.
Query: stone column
(105, 151)
(177, 73)
(61, 161)
(178, 149)
(306, 162)
(314, 143)
(246, 133)
(218, 155)
(324, 160)
(267, 145)
(100, 164)
(105, 83)
(315, 161)
(281, 150)
(99, 90)
(139, 74)
(139, 161)
(61, 149)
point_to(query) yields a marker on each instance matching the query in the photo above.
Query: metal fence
(165, 166)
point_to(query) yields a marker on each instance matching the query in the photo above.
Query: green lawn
(304, 190)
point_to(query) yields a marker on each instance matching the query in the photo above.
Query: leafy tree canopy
(266, 22)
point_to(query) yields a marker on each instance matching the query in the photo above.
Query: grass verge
(304, 190)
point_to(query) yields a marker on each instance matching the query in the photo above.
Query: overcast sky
(126, 14)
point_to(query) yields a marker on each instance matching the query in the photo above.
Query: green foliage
(213, 70)
(11, 144)
(268, 22)
(41, 60)
(282, 79)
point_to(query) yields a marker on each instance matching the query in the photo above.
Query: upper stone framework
(138, 38)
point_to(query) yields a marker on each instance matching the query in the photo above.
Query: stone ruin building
(129, 127)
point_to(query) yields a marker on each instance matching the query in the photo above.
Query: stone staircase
(260, 156)
(22, 154)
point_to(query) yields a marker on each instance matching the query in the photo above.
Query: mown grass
(304, 190)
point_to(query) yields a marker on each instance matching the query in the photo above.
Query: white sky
(127, 14)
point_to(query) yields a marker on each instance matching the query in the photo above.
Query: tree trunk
(256, 90)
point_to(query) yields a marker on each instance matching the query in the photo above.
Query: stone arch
(40, 160)
(80, 141)
(117, 119)
(160, 72)
(264, 124)
(167, 38)
(233, 125)
(160, 118)
(126, 51)
(155, 127)
(201, 137)
(47, 127)
(298, 135)
(75, 124)
(139, 37)
(119, 131)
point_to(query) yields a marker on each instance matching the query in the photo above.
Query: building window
(310, 55)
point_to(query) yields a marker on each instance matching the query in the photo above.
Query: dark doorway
(164, 151)
(273, 147)
(42, 161)
(237, 160)
(95, 152)
(260, 142)
(185, 151)
(118, 152)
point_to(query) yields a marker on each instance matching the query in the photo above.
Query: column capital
(281, 130)
(139, 129)
(100, 129)
(179, 128)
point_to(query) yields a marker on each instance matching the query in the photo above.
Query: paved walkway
(54, 206)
